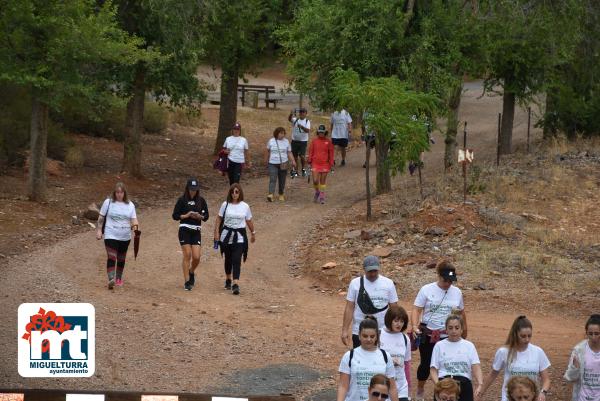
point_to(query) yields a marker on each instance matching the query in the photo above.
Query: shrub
(156, 118)
(74, 158)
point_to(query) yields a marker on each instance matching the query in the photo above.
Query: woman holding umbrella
(116, 221)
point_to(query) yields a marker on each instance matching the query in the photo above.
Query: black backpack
(352, 356)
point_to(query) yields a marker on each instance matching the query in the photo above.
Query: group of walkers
(378, 365)
(379, 332)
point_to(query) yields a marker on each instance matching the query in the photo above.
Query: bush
(15, 113)
(156, 118)
(74, 157)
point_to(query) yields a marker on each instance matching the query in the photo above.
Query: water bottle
(216, 244)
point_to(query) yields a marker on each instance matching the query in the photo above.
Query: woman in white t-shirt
(457, 359)
(584, 364)
(278, 154)
(432, 306)
(116, 221)
(518, 357)
(236, 149)
(393, 340)
(230, 233)
(360, 364)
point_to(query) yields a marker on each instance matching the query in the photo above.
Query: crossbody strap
(278, 151)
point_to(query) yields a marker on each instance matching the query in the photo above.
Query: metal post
(498, 146)
(528, 126)
(465, 164)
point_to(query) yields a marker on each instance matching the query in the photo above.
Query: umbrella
(136, 243)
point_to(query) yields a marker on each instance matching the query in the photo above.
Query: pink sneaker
(119, 282)
(322, 197)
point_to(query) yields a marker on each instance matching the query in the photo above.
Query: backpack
(364, 300)
(352, 356)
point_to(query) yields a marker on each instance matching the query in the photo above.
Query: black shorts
(299, 148)
(341, 142)
(187, 236)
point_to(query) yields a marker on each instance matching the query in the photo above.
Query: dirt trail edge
(153, 335)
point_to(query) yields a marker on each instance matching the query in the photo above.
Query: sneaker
(111, 283)
(119, 282)
(228, 284)
(316, 197)
(187, 286)
(322, 198)
(343, 162)
(303, 172)
(235, 289)
(270, 198)
(281, 198)
(192, 279)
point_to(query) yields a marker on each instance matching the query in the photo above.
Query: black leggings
(425, 350)
(234, 172)
(115, 251)
(233, 259)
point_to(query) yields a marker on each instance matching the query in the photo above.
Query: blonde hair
(517, 381)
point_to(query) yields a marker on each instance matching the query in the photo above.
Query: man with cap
(434, 303)
(300, 131)
(382, 292)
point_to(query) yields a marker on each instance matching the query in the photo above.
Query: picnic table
(266, 89)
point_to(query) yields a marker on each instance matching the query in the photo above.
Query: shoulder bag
(364, 300)
(282, 165)
(105, 217)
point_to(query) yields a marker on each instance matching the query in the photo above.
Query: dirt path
(152, 335)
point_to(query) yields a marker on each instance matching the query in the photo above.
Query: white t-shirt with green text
(381, 291)
(437, 304)
(365, 365)
(118, 220)
(398, 346)
(454, 358)
(528, 363)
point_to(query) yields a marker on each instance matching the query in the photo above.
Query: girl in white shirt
(116, 221)
(236, 148)
(518, 357)
(393, 340)
(456, 358)
(230, 233)
(359, 365)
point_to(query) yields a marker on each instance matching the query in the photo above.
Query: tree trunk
(452, 127)
(508, 116)
(367, 167)
(384, 180)
(228, 106)
(38, 150)
(134, 127)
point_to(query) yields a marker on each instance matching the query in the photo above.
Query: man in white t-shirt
(300, 132)
(381, 291)
(341, 127)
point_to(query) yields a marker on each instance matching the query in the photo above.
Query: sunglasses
(377, 394)
(235, 191)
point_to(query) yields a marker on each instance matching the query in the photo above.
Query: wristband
(252, 232)
(544, 391)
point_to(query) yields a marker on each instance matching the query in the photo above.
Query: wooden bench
(266, 89)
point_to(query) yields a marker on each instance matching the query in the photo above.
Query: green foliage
(15, 110)
(55, 47)
(389, 109)
(363, 35)
(526, 41)
(74, 157)
(156, 118)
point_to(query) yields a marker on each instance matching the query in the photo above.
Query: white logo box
(79, 363)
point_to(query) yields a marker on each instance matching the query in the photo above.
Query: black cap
(302, 110)
(449, 273)
(322, 128)
(193, 184)
(237, 126)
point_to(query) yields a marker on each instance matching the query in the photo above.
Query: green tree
(525, 46)
(389, 107)
(447, 37)
(55, 49)
(171, 30)
(237, 35)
